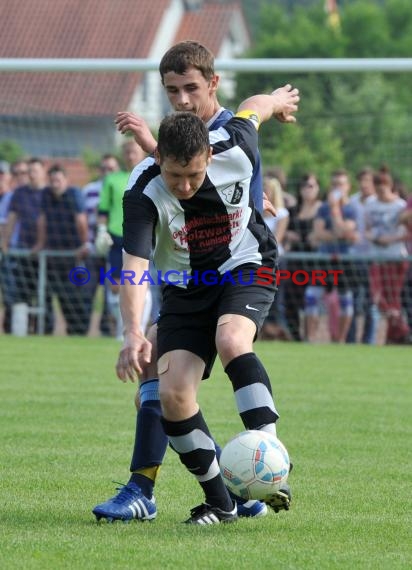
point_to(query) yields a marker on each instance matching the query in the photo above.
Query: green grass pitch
(67, 427)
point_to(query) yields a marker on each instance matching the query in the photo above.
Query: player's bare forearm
(133, 294)
(136, 348)
(281, 104)
(130, 122)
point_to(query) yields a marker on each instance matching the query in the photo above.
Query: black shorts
(188, 319)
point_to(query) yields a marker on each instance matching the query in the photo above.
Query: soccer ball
(254, 465)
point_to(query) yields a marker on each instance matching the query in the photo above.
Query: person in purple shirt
(62, 226)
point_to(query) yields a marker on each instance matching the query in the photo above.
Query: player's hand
(136, 352)
(127, 121)
(287, 99)
(268, 207)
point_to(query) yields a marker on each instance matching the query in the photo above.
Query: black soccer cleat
(205, 514)
(280, 501)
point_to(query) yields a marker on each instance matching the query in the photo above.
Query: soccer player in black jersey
(194, 197)
(188, 76)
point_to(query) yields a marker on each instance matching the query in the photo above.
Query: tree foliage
(10, 151)
(345, 119)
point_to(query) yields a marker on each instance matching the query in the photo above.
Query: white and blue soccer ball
(254, 465)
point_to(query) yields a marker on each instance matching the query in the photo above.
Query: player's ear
(209, 155)
(214, 83)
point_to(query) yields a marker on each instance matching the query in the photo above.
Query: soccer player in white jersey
(194, 197)
(190, 82)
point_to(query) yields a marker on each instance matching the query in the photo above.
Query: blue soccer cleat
(249, 509)
(128, 504)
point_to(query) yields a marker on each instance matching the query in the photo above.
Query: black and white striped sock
(253, 392)
(192, 441)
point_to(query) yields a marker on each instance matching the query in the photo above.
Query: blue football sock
(150, 442)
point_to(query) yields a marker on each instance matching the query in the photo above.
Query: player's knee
(230, 341)
(173, 401)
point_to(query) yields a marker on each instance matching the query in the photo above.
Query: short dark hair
(35, 160)
(182, 136)
(56, 168)
(180, 57)
(383, 177)
(365, 171)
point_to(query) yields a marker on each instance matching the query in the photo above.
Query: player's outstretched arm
(280, 104)
(136, 349)
(127, 121)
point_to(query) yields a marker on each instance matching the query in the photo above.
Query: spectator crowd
(365, 233)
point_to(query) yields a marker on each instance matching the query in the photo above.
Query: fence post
(41, 292)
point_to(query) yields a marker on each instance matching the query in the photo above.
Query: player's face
(192, 92)
(184, 181)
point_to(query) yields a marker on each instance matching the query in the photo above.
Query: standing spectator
(362, 300)
(24, 211)
(110, 225)
(387, 237)
(275, 326)
(62, 226)
(91, 192)
(6, 270)
(335, 231)
(299, 240)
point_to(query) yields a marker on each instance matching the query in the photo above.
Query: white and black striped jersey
(217, 229)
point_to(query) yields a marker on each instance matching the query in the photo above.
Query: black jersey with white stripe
(218, 228)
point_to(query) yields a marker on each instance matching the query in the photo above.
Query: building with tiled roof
(59, 114)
